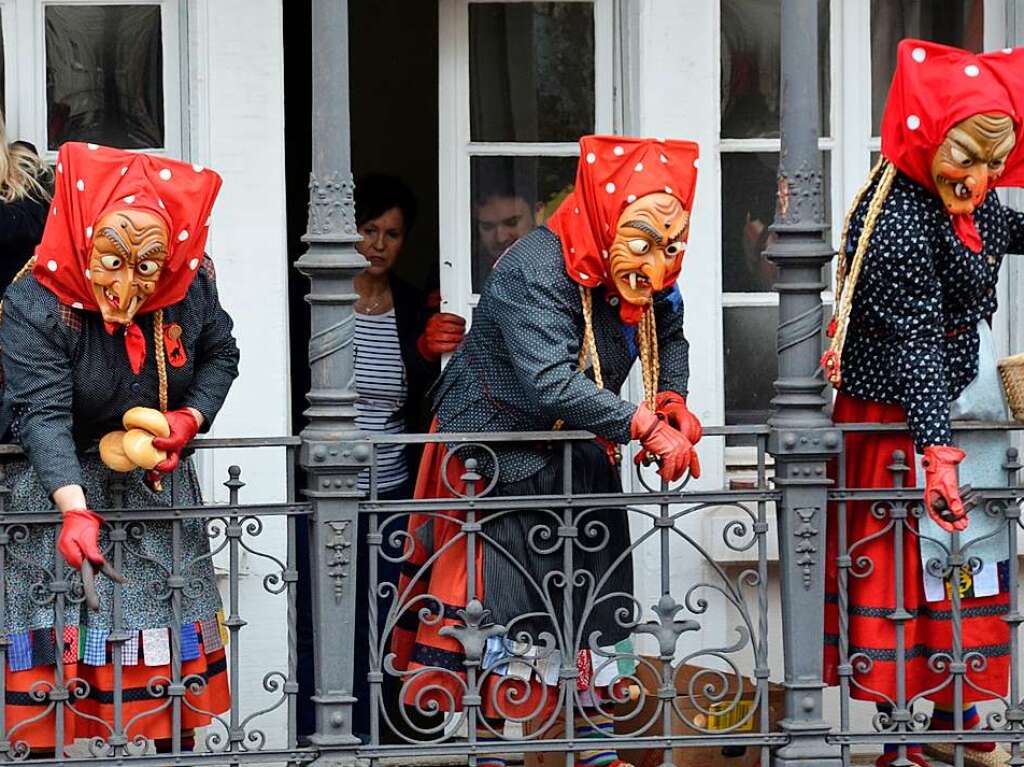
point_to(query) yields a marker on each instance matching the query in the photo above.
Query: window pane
(749, 191)
(952, 22)
(104, 75)
(511, 196)
(531, 71)
(751, 365)
(750, 67)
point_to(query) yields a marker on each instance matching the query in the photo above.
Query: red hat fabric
(613, 172)
(91, 180)
(934, 88)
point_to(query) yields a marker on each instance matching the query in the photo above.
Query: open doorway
(393, 80)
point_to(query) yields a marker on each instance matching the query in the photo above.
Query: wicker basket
(1011, 370)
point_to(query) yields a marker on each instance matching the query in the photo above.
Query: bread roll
(112, 452)
(138, 446)
(147, 418)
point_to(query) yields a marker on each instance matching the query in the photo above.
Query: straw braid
(844, 298)
(857, 198)
(589, 347)
(161, 359)
(650, 364)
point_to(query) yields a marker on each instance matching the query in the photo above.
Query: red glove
(443, 334)
(80, 537)
(184, 428)
(673, 407)
(669, 447)
(940, 482)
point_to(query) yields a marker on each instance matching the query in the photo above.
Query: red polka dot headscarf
(92, 180)
(613, 172)
(934, 88)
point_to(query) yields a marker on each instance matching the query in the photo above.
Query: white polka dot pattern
(913, 337)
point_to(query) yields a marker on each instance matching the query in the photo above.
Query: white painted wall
(237, 128)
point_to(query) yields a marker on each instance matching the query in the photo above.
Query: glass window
(104, 75)
(511, 196)
(751, 71)
(751, 362)
(531, 71)
(749, 191)
(952, 22)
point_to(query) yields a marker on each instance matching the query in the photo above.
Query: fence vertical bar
(802, 438)
(332, 452)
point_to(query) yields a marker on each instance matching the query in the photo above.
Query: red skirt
(92, 716)
(872, 598)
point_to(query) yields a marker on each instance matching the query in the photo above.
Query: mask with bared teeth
(626, 222)
(129, 249)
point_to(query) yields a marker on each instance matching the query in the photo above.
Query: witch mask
(129, 249)
(971, 159)
(648, 247)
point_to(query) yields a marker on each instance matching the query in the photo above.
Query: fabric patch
(174, 348)
(211, 634)
(156, 649)
(130, 650)
(69, 317)
(19, 652)
(44, 647)
(96, 647)
(189, 642)
(70, 654)
(223, 631)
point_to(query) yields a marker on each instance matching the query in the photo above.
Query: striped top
(382, 390)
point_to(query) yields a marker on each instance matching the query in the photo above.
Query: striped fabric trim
(983, 611)
(919, 650)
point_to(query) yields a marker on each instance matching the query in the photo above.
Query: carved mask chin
(648, 247)
(970, 160)
(129, 249)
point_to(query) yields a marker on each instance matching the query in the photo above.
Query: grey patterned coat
(517, 369)
(66, 383)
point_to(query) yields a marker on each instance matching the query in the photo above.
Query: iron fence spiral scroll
(250, 730)
(570, 646)
(959, 670)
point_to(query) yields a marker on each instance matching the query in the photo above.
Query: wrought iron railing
(257, 727)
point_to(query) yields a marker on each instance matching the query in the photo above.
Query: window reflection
(531, 71)
(751, 364)
(750, 67)
(749, 192)
(512, 196)
(951, 22)
(104, 75)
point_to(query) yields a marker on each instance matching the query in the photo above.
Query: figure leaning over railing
(118, 312)
(916, 288)
(560, 322)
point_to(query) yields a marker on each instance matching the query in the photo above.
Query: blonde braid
(161, 360)
(844, 299)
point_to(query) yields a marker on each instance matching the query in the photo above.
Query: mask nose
(655, 272)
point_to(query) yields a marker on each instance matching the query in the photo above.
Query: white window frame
(25, 56)
(456, 150)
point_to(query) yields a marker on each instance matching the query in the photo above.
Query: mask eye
(640, 247)
(959, 155)
(111, 262)
(674, 249)
(147, 268)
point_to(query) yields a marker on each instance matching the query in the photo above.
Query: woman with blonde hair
(24, 199)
